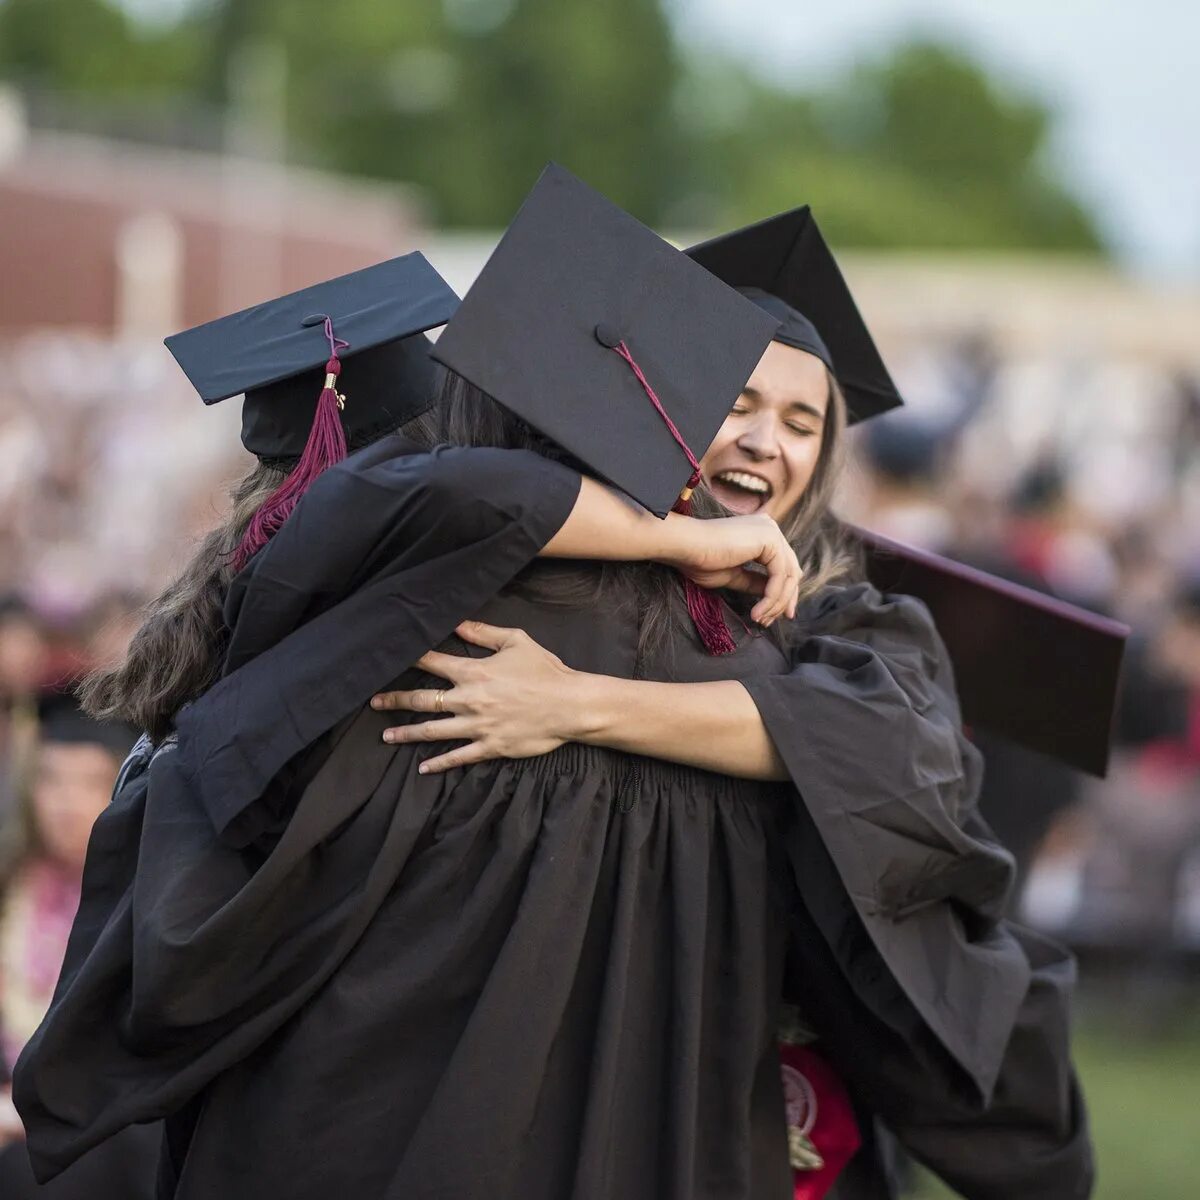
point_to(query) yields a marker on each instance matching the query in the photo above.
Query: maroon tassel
(704, 606)
(326, 445)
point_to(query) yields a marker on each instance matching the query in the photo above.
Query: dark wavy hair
(177, 653)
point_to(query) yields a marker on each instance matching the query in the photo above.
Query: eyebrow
(796, 405)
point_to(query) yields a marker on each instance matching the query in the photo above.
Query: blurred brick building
(107, 462)
(128, 240)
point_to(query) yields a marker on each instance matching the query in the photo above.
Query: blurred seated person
(24, 655)
(1150, 827)
(43, 842)
(904, 459)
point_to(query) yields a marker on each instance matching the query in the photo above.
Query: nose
(759, 438)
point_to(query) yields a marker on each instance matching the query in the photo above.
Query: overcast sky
(1125, 77)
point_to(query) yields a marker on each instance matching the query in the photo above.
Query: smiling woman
(773, 447)
(780, 452)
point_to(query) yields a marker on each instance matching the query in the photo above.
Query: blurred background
(1014, 192)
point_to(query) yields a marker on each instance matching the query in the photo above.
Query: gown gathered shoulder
(555, 978)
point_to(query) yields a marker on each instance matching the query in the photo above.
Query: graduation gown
(554, 977)
(123, 1167)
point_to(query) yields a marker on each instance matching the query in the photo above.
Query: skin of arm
(607, 525)
(523, 701)
(715, 725)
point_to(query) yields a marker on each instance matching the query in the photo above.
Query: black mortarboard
(784, 266)
(1035, 669)
(574, 286)
(276, 353)
(62, 721)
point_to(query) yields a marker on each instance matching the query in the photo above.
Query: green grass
(1143, 1094)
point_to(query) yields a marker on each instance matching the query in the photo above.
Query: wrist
(588, 712)
(670, 539)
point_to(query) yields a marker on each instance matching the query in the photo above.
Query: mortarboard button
(606, 335)
(313, 319)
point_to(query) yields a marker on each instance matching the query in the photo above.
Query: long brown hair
(177, 653)
(467, 416)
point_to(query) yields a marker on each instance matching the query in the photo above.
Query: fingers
(464, 756)
(753, 583)
(491, 637)
(780, 595)
(448, 729)
(423, 700)
(455, 667)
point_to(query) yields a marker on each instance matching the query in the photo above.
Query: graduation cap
(62, 722)
(606, 339)
(784, 265)
(361, 332)
(614, 345)
(1028, 666)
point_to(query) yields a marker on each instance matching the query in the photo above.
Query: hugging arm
(382, 558)
(606, 525)
(523, 701)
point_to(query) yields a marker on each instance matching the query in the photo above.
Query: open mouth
(740, 491)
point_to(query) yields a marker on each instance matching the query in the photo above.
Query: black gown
(122, 1168)
(556, 977)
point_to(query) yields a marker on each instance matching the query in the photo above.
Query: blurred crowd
(1079, 476)
(105, 457)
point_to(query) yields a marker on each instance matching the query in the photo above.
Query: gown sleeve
(1031, 1139)
(901, 892)
(382, 558)
(867, 722)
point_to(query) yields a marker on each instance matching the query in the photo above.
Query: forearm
(604, 524)
(715, 726)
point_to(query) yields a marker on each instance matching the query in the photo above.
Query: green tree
(920, 149)
(91, 47)
(468, 98)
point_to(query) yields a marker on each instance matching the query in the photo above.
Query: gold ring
(439, 702)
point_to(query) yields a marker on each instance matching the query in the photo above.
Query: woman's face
(72, 784)
(764, 455)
